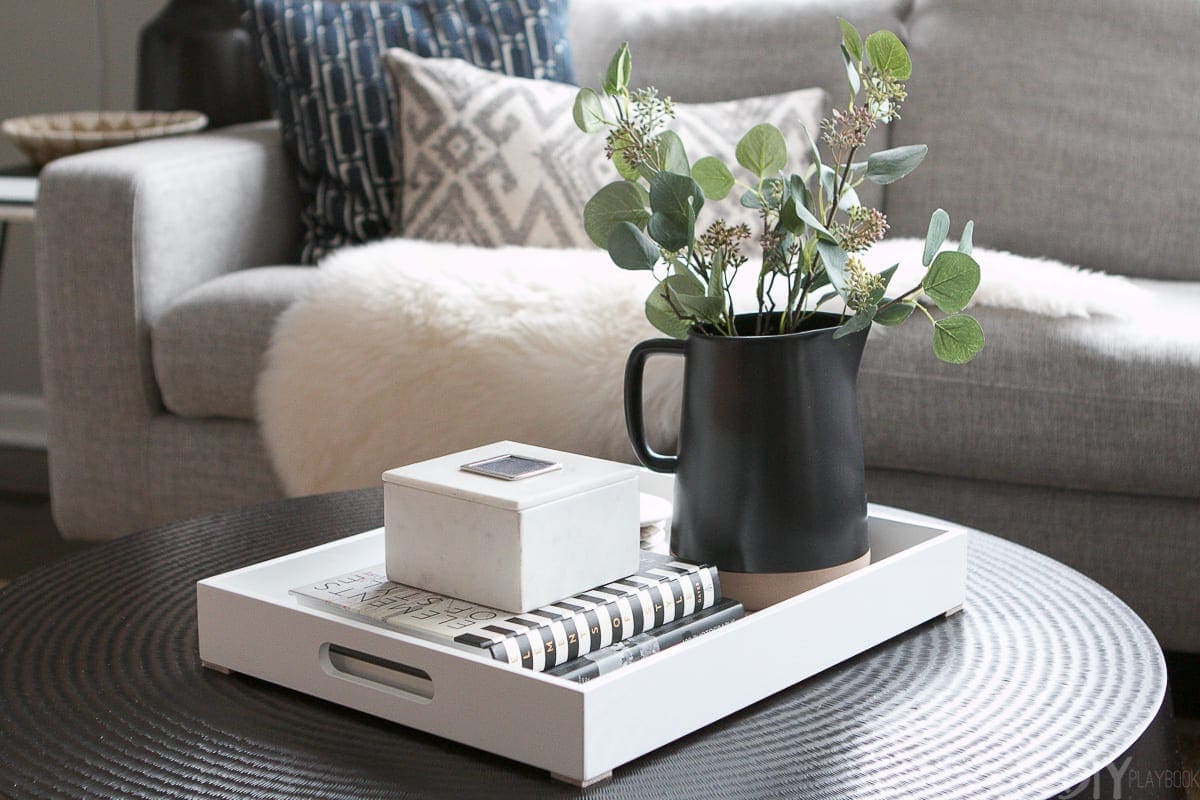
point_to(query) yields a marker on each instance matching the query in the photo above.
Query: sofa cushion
(1066, 131)
(701, 52)
(208, 347)
(1095, 404)
(491, 159)
(1102, 404)
(321, 61)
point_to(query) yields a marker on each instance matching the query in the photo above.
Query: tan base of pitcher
(757, 590)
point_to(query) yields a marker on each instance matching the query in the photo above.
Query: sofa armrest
(121, 233)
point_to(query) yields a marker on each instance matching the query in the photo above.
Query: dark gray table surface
(1044, 680)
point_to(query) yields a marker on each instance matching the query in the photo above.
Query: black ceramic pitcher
(769, 474)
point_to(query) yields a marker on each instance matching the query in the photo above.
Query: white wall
(49, 62)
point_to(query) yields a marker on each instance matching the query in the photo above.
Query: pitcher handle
(635, 369)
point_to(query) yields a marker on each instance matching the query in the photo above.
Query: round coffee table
(1044, 682)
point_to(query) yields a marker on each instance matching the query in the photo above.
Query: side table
(1045, 686)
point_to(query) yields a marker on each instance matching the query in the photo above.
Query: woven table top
(1043, 680)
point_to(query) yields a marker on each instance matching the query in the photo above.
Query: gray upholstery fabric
(1143, 548)
(710, 51)
(197, 466)
(1100, 404)
(120, 234)
(208, 346)
(707, 51)
(1067, 130)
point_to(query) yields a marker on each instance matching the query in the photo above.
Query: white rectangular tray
(248, 623)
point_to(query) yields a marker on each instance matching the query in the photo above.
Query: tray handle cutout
(378, 673)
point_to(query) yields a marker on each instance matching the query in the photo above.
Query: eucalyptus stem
(770, 295)
(901, 297)
(759, 321)
(794, 307)
(809, 265)
(702, 265)
(838, 186)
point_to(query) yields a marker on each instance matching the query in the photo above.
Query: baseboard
(22, 421)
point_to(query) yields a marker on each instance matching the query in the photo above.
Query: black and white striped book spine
(635, 648)
(663, 590)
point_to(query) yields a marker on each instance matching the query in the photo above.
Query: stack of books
(667, 601)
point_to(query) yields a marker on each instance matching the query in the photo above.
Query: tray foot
(216, 668)
(954, 610)
(582, 784)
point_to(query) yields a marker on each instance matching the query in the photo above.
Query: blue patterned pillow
(323, 64)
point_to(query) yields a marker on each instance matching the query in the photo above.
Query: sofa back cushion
(700, 51)
(1066, 130)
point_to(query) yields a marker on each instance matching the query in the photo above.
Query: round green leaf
(675, 201)
(626, 171)
(714, 177)
(888, 55)
(662, 314)
(620, 201)
(709, 309)
(669, 154)
(685, 284)
(762, 150)
(588, 111)
(939, 227)
(629, 248)
(957, 339)
(895, 314)
(673, 233)
(663, 317)
(951, 280)
(677, 196)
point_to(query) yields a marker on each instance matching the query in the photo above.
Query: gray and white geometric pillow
(494, 160)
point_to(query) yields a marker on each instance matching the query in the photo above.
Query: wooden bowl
(45, 137)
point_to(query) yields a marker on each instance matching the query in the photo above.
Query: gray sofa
(1069, 134)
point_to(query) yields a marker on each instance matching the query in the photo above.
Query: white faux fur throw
(408, 350)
